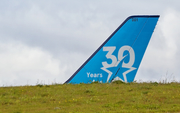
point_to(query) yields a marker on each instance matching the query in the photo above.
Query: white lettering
(91, 75)
(88, 75)
(94, 75)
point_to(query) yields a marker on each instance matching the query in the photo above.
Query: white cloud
(20, 64)
(161, 58)
(56, 37)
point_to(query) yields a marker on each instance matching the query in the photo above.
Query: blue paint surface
(121, 53)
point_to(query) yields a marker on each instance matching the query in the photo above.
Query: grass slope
(95, 97)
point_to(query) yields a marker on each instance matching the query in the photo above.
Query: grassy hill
(95, 97)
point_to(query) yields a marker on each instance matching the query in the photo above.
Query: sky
(46, 41)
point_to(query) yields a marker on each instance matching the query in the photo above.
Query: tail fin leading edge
(120, 55)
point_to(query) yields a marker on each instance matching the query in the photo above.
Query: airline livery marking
(94, 75)
(120, 55)
(116, 62)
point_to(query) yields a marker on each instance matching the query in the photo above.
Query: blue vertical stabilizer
(120, 55)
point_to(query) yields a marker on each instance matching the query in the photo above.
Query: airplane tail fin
(120, 55)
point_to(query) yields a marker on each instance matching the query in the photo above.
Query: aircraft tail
(120, 55)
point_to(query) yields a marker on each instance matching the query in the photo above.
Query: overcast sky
(45, 41)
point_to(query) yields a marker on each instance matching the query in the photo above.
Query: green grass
(95, 97)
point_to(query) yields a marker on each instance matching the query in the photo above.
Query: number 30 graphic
(120, 57)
